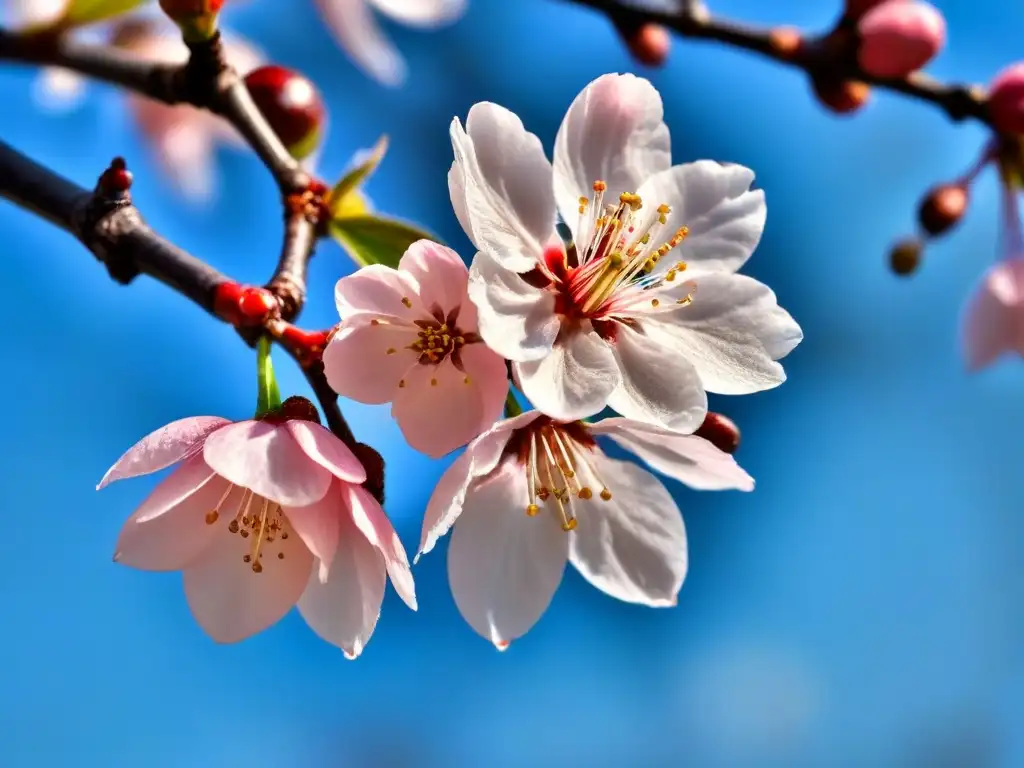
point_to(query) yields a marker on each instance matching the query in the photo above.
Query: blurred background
(861, 608)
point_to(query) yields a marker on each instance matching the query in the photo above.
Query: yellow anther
(670, 276)
(443, 328)
(401, 383)
(407, 302)
(211, 517)
(257, 567)
(466, 380)
(532, 510)
(233, 526)
(685, 301)
(585, 493)
(655, 302)
(681, 266)
(459, 340)
(569, 525)
(606, 495)
(615, 259)
(433, 382)
(391, 350)
(664, 210)
(543, 493)
(645, 239)
(600, 186)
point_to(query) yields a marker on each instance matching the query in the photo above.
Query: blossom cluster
(606, 277)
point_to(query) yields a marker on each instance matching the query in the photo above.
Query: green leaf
(363, 165)
(372, 239)
(268, 396)
(81, 12)
(512, 406)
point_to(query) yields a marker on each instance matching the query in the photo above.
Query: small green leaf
(81, 12)
(364, 163)
(372, 239)
(268, 396)
(512, 406)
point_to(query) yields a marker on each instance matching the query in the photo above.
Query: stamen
(407, 302)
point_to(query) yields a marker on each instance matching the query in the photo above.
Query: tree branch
(818, 57)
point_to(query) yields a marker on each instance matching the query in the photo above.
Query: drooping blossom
(260, 515)
(408, 337)
(353, 25)
(993, 320)
(532, 494)
(643, 311)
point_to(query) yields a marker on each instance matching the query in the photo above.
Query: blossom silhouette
(643, 310)
(260, 515)
(532, 494)
(409, 337)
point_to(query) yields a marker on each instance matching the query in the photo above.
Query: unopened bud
(942, 208)
(898, 37)
(720, 431)
(298, 408)
(857, 8)
(649, 44)
(1006, 99)
(291, 104)
(841, 96)
(197, 19)
(905, 257)
(373, 463)
(243, 305)
(117, 179)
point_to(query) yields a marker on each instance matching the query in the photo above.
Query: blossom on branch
(260, 515)
(643, 310)
(408, 337)
(532, 494)
(353, 25)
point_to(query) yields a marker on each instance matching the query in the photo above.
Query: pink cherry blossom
(353, 25)
(408, 337)
(1006, 99)
(898, 37)
(260, 515)
(644, 311)
(532, 494)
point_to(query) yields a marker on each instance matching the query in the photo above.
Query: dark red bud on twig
(905, 257)
(720, 431)
(942, 208)
(840, 96)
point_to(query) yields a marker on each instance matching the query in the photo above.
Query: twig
(817, 57)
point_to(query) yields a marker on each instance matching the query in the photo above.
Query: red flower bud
(1006, 99)
(841, 96)
(898, 37)
(720, 431)
(243, 305)
(649, 44)
(291, 104)
(942, 208)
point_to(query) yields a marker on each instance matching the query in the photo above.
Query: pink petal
(172, 540)
(324, 447)
(993, 321)
(377, 291)
(264, 458)
(192, 475)
(353, 26)
(344, 609)
(488, 377)
(168, 445)
(445, 503)
(318, 525)
(360, 365)
(441, 274)
(438, 409)
(229, 600)
(370, 519)
(504, 566)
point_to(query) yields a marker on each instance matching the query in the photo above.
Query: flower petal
(344, 609)
(440, 273)
(172, 540)
(318, 524)
(374, 524)
(59, 90)
(327, 450)
(659, 385)
(422, 13)
(516, 320)
(229, 600)
(714, 201)
(184, 145)
(732, 332)
(265, 458)
(689, 459)
(613, 132)
(488, 379)
(167, 445)
(506, 180)
(353, 26)
(993, 319)
(377, 291)
(365, 362)
(192, 475)
(575, 380)
(634, 546)
(504, 566)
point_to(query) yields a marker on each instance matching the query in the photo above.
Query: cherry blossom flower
(643, 311)
(261, 515)
(531, 494)
(353, 25)
(408, 336)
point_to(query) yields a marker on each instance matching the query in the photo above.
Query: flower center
(560, 471)
(257, 518)
(437, 339)
(610, 267)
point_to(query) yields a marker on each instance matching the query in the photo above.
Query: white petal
(229, 600)
(732, 332)
(517, 320)
(504, 566)
(714, 201)
(575, 380)
(632, 547)
(59, 90)
(422, 13)
(357, 32)
(659, 385)
(344, 610)
(613, 132)
(506, 182)
(689, 459)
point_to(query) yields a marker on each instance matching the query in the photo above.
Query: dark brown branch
(818, 57)
(289, 280)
